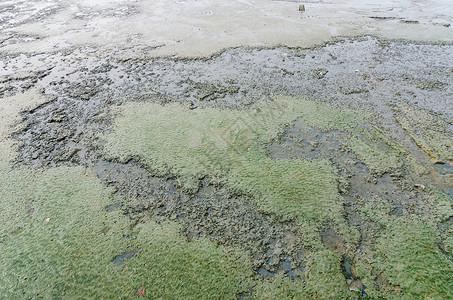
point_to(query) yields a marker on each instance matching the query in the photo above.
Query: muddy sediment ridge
(367, 73)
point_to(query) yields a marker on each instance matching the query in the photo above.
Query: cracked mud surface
(366, 73)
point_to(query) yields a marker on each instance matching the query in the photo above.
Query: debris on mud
(319, 73)
(140, 290)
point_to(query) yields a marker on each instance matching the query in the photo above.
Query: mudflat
(230, 150)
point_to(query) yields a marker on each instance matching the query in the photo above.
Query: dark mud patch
(17, 39)
(444, 168)
(212, 212)
(351, 280)
(112, 207)
(383, 18)
(332, 240)
(119, 11)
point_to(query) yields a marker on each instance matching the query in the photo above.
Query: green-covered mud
(59, 241)
(254, 173)
(225, 147)
(228, 148)
(60, 238)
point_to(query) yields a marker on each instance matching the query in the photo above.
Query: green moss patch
(173, 138)
(57, 241)
(441, 205)
(324, 277)
(431, 133)
(227, 147)
(408, 256)
(322, 280)
(290, 188)
(224, 146)
(376, 155)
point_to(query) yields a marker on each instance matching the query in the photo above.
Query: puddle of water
(120, 259)
(443, 168)
(346, 267)
(286, 265)
(264, 273)
(112, 207)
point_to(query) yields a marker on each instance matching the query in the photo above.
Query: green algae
(66, 244)
(368, 146)
(440, 205)
(448, 242)
(177, 269)
(323, 116)
(173, 138)
(280, 288)
(224, 146)
(412, 258)
(376, 210)
(374, 153)
(59, 241)
(376, 286)
(431, 133)
(53, 254)
(322, 280)
(306, 190)
(197, 140)
(57, 224)
(365, 143)
(401, 152)
(408, 257)
(406, 263)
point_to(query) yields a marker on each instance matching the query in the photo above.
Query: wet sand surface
(388, 64)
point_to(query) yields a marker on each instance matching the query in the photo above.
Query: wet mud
(373, 75)
(212, 212)
(367, 73)
(23, 12)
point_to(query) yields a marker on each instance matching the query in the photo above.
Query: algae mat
(61, 243)
(227, 147)
(58, 241)
(61, 223)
